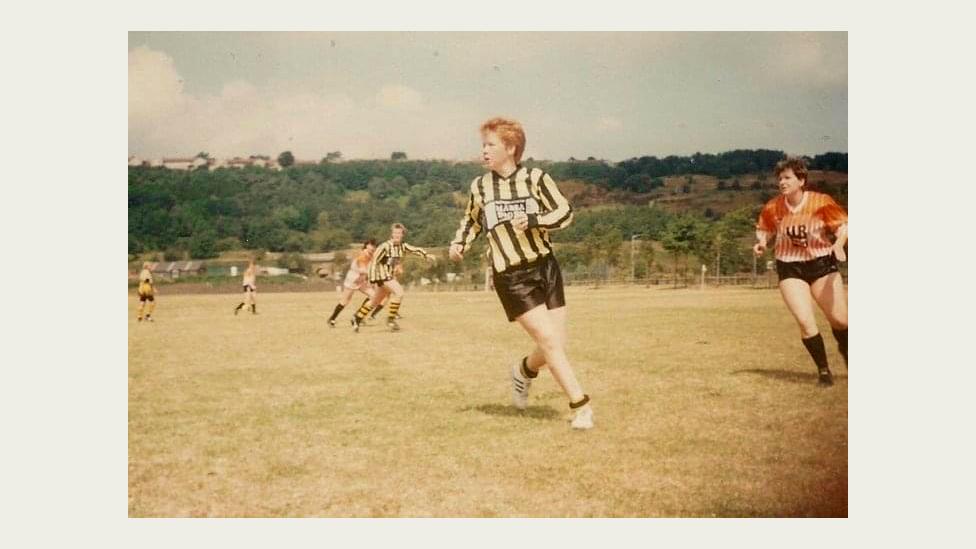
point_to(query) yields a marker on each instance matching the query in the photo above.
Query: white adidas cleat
(520, 387)
(583, 418)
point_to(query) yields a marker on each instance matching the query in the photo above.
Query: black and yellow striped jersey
(494, 201)
(387, 256)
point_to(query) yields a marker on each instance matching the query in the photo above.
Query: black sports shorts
(248, 288)
(808, 271)
(524, 288)
(144, 297)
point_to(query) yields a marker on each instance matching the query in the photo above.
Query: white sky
(609, 95)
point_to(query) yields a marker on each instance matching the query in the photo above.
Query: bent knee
(548, 340)
(808, 330)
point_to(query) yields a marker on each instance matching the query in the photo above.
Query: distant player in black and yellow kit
(516, 208)
(386, 258)
(806, 260)
(356, 279)
(147, 292)
(250, 288)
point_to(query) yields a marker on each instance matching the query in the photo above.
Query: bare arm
(470, 226)
(838, 247)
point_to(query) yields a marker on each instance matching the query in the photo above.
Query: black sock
(239, 306)
(581, 403)
(254, 307)
(841, 337)
(815, 346)
(338, 309)
(526, 371)
(376, 311)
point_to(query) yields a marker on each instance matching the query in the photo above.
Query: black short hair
(368, 242)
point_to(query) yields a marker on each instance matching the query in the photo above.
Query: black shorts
(144, 297)
(526, 287)
(808, 271)
(248, 288)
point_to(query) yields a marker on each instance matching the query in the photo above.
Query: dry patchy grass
(706, 405)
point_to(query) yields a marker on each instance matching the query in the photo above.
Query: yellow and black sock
(142, 305)
(392, 313)
(363, 311)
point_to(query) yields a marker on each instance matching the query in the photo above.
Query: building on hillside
(176, 269)
(184, 164)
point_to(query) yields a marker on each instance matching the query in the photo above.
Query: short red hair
(509, 131)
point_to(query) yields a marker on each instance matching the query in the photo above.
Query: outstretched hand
(759, 249)
(456, 253)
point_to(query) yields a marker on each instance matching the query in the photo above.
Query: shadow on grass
(534, 412)
(791, 376)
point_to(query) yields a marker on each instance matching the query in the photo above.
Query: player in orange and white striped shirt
(355, 279)
(806, 260)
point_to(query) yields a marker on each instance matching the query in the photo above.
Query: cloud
(609, 124)
(808, 59)
(155, 88)
(399, 97)
(241, 119)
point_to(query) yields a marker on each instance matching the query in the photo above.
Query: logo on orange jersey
(798, 235)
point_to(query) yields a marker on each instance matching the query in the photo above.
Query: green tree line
(327, 206)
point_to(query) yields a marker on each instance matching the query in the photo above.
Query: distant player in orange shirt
(355, 279)
(806, 260)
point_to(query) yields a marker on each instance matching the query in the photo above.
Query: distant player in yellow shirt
(250, 288)
(146, 293)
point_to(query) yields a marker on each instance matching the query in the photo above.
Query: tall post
(633, 253)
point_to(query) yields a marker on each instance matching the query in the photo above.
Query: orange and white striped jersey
(801, 232)
(356, 275)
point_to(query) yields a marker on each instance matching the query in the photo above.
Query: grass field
(706, 404)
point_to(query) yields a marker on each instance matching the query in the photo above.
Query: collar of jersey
(497, 176)
(798, 206)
